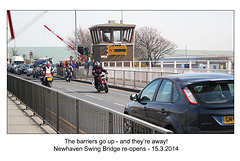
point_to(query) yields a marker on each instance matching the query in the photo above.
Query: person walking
(86, 66)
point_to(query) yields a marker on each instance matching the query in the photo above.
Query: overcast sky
(198, 30)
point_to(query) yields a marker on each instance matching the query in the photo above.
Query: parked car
(30, 70)
(187, 103)
(25, 67)
(21, 69)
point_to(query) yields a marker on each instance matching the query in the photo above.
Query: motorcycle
(68, 75)
(102, 83)
(47, 81)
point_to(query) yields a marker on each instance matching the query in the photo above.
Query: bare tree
(150, 45)
(83, 38)
(14, 51)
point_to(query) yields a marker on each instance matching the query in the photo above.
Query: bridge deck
(19, 121)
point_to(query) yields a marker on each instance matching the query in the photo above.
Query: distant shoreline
(61, 53)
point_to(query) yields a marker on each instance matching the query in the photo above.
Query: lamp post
(76, 32)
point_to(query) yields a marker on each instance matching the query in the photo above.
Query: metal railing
(69, 114)
(175, 66)
(139, 74)
(133, 79)
(117, 77)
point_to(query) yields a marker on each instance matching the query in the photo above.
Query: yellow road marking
(67, 122)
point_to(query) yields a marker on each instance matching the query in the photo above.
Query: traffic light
(80, 49)
(86, 51)
(83, 50)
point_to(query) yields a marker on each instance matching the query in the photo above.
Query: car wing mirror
(134, 97)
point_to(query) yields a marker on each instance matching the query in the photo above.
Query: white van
(16, 61)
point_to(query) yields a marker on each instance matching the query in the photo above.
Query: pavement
(21, 120)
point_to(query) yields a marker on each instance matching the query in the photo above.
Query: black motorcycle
(102, 83)
(68, 75)
(47, 80)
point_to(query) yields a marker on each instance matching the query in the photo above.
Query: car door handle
(163, 111)
(145, 108)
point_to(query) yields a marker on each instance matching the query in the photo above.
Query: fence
(117, 77)
(68, 114)
(175, 66)
(138, 74)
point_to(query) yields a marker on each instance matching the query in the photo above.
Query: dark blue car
(187, 103)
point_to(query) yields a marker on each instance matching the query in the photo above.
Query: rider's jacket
(98, 71)
(48, 71)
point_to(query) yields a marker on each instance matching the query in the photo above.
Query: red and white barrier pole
(66, 43)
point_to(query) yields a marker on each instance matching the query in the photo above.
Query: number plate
(49, 78)
(227, 119)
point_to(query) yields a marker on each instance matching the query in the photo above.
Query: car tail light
(189, 96)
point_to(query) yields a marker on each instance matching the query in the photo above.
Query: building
(112, 41)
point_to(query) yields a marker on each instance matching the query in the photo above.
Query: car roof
(191, 78)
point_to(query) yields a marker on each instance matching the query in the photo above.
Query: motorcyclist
(47, 71)
(97, 70)
(68, 66)
(41, 71)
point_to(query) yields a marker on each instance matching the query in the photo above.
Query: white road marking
(93, 97)
(119, 104)
(57, 87)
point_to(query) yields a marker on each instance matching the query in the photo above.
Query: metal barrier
(136, 77)
(68, 114)
(133, 79)
(119, 77)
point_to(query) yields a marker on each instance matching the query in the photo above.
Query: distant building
(197, 62)
(216, 62)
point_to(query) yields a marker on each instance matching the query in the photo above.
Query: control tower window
(126, 37)
(106, 35)
(116, 35)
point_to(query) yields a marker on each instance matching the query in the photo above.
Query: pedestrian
(86, 66)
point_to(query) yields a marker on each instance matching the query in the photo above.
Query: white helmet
(97, 64)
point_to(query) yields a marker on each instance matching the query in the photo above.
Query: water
(63, 52)
(58, 53)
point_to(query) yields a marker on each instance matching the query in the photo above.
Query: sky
(191, 29)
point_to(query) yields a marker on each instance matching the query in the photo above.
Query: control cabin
(112, 41)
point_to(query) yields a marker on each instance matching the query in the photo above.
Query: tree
(14, 51)
(150, 45)
(83, 38)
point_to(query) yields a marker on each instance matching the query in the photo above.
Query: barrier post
(77, 117)
(134, 79)
(57, 114)
(43, 105)
(123, 77)
(114, 73)
(110, 123)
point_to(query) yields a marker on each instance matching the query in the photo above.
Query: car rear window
(213, 92)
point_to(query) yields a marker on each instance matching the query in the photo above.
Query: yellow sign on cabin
(117, 50)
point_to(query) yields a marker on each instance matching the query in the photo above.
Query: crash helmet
(97, 64)
(47, 63)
